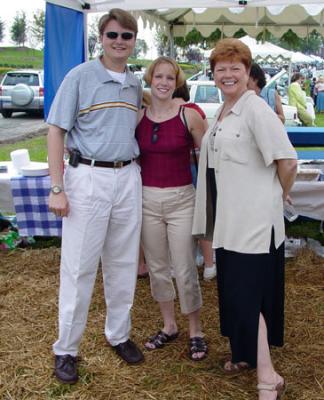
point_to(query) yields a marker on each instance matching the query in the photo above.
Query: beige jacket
(249, 195)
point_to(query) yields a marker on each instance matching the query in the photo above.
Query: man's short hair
(124, 18)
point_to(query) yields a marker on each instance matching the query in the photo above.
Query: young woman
(168, 203)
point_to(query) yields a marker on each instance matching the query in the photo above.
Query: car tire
(22, 95)
(6, 113)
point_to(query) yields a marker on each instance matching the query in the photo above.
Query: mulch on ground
(28, 327)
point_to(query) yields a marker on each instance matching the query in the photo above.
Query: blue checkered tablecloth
(30, 197)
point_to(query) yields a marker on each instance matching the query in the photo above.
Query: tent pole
(85, 39)
(171, 39)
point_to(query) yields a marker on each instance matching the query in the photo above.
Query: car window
(207, 94)
(14, 78)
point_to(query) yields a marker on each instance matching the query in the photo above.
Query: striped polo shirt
(98, 112)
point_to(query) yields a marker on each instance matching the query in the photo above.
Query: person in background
(165, 135)
(254, 166)
(100, 197)
(257, 82)
(181, 96)
(297, 98)
(312, 89)
(319, 87)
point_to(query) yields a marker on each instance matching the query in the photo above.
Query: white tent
(298, 57)
(180, 16)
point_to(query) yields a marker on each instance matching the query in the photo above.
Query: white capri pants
(104, 221)
(166, 233)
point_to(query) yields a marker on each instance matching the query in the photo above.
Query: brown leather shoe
(129, 352)
(66, 369)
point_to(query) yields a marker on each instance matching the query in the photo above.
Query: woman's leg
(156, 248)
(142, 268)
(210, 266)
(265, 370)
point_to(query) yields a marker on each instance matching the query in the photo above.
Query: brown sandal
(235, 368)
(272, 387)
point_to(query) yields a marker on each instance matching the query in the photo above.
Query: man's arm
(58, 203)
(279, 109)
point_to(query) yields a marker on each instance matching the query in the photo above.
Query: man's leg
(84, 231)
(120, 253)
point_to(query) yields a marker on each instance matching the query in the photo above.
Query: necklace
(159, 117)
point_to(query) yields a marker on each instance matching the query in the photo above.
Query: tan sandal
(272, 387)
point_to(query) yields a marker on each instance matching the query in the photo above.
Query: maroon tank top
(164, 152)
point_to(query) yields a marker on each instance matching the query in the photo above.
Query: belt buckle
(118, 164)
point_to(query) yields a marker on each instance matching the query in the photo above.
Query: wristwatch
(56, 189)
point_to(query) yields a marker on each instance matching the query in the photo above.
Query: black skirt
(250, 284)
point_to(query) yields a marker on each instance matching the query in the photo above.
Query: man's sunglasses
(123, 35)
(155, 136)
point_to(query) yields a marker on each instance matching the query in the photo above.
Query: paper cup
(20, 158)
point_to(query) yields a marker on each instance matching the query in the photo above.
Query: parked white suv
(210, 98)
(22, 90)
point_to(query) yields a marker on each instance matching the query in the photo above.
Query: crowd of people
(128, 189)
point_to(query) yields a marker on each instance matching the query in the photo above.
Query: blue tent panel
(306, 136)
(64, 47)
(310, 154)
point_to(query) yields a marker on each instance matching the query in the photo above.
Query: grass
(305, 228)
(319, 120)
(37, 148)
(23, 57)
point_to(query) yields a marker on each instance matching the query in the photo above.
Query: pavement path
(21, 126)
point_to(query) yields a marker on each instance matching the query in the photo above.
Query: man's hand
(58, 204)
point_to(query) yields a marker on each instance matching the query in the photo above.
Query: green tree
(162, 43)
(92, 44)
(194, 37)
(240, 33)
(140, 47)
(19, 29)
(38, 26)
(2, 25)
(311, 43)
(93, 36)
(290, 41)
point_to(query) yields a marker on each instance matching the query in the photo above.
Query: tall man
(100, 196)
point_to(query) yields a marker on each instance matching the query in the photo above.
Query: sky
(11, 7)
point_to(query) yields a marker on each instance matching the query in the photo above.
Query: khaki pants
(166, 235)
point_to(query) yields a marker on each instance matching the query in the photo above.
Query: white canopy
(271, 52)
(266, 49)
(180, 16)
(298, 57)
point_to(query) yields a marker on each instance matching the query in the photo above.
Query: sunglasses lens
(124, 35)
(154, 138)
(127, 35)
(112, 35)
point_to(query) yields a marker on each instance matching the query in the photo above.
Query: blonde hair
(230, 50)
(180, 76)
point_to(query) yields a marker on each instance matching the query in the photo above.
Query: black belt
(105, 164)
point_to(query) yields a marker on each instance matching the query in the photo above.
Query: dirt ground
(28, 327)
